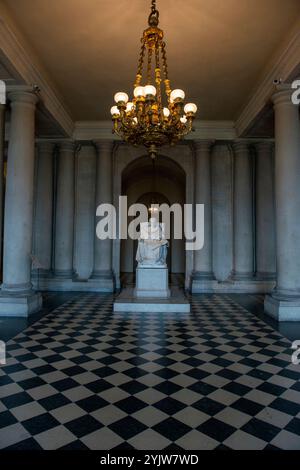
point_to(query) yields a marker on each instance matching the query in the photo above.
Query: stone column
(203, 258)
(242, 213)
(284, 303)
(265, 212)
(44, 208)
(64, 222)
(2, 143)
(221, 166)
(103, 248)
(17, 297)
(84, 212)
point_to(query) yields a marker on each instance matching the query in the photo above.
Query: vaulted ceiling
(217, 50)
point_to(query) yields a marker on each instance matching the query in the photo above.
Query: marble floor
(79, 376)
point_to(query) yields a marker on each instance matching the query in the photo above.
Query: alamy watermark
(2, 353)
(296, 93)
(2, 92)
(296, 353)
(180, 222)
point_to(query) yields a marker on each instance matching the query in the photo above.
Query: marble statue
(153, 246)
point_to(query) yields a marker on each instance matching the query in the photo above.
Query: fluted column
(103, 248)
(2, 132)
(265, 212)
(284, 304)
(242, 213)
(203, 257)
(65, 198)
(44, 207)
(19, 208)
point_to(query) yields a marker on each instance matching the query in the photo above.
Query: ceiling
(216, 49)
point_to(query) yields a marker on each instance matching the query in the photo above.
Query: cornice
(215, 130)
(280, 69)
(31, 74)
(94, 130)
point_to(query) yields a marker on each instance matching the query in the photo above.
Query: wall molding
(286, 62)
(219, 130)
(29, 71)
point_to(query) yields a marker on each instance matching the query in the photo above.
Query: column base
(102, 280)
(19, 305)
(282, 309)
(202, 280)
(64, 273)
(102, 274)
(203, 275)
(231, 286)
(265, 276)
(242, 276)
(60, 284)
(40, 273)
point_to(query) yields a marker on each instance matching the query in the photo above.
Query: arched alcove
(146, 182)
(132, 168)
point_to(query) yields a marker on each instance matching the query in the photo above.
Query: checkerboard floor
(83, 377)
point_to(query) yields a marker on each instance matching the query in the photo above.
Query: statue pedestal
(152, 282)
(127, 301)
(152, 293)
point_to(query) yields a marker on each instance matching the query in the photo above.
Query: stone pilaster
(65, 199)
(284, 303)
(243, 255)
(43, 226)
(265, 212)
(85, 212)
(17, 297)
(103, 248)
(2, 142)
(221, 165)
(203, 270)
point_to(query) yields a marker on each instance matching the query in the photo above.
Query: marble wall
(178, 181)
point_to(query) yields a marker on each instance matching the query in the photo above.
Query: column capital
(283, 95)
(240, 147)
(264, 146)
(46, 147)
(203, 145)
(68, 146)
(23, 98)
(103, 145)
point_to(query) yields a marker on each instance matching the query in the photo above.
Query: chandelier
(152, 118)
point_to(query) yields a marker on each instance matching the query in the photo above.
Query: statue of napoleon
(153, 246)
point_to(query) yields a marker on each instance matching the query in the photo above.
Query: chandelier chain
(141, 62)
(149, 66)
(164, 60)
(158, 79)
